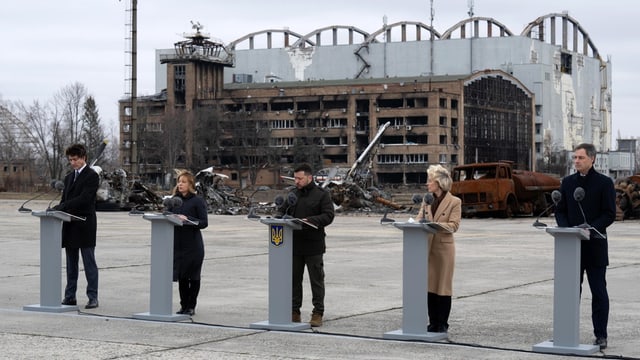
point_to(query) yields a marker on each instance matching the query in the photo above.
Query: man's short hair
(304, 167)
(588, 148)
(76, 150)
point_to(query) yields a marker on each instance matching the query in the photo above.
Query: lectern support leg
(414, 289)
(50, 268)
(161, 290)
(566, 300)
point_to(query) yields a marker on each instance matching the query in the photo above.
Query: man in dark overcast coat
(79, 199)
(599, 206)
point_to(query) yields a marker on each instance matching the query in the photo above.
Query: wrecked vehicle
(497, 188)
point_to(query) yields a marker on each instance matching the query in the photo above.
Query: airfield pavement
(502, 303)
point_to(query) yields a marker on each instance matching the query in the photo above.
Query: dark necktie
(75, 176)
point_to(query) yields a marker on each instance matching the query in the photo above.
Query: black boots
(439, 308)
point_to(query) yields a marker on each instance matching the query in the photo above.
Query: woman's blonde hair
(191, 180)
(441, 176)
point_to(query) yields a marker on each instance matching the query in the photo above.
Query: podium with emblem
(280, 237)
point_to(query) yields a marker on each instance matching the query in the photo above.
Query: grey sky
(50, 44)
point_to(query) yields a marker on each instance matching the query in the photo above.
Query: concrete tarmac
(502, 303)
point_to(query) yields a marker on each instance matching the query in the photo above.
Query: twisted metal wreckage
(628, 197)
(349, 188)
(116, 192)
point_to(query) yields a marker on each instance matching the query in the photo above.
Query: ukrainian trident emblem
(277, 235)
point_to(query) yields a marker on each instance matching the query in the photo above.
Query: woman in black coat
(188, 247)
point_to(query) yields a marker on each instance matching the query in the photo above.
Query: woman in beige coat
(446, 211)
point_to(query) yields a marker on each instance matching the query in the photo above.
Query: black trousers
(600, 298)
(315, 268)
(90, 272)
(189, 290)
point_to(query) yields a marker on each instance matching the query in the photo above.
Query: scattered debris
(628, 197)
(350, 187)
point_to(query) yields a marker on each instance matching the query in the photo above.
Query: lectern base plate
(580, 349)
(266, 325)
(428, 336)
(161, 317)
(50, 309)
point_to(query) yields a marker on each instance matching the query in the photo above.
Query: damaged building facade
(476, 92)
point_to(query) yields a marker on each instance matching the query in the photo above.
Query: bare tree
(245, 140)
(307, 149)
(48, 128)
(14, 152)
(11, 143)
(70, 102)
(162, 141)
(43, 128)
(206, 137)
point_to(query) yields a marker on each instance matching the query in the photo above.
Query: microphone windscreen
(416, 199)
(166, 203)
(177, 202)
(292, 199)
(53, 183)
(59, 185)
(428, 198)
(279, 200)
(556, 196)
(579, 194)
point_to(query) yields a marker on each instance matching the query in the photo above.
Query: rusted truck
(497, 189)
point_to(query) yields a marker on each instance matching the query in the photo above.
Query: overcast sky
(50, 44)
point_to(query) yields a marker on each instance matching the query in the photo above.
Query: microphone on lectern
(23, 209)
(171, 204)
(252, 214)
(59, 185)
(292, 200)
(556, 196)
(385, 219)
(428, 199)
(279, 203)
(579, 195)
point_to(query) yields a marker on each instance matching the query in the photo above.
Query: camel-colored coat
(442, 249)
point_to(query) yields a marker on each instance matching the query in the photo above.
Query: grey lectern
(415, 265)
(50, 261)
(566, 294)
(161, 291)
(280, 254)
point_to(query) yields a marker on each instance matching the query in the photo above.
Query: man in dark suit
(599, 206)
(79, 198)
